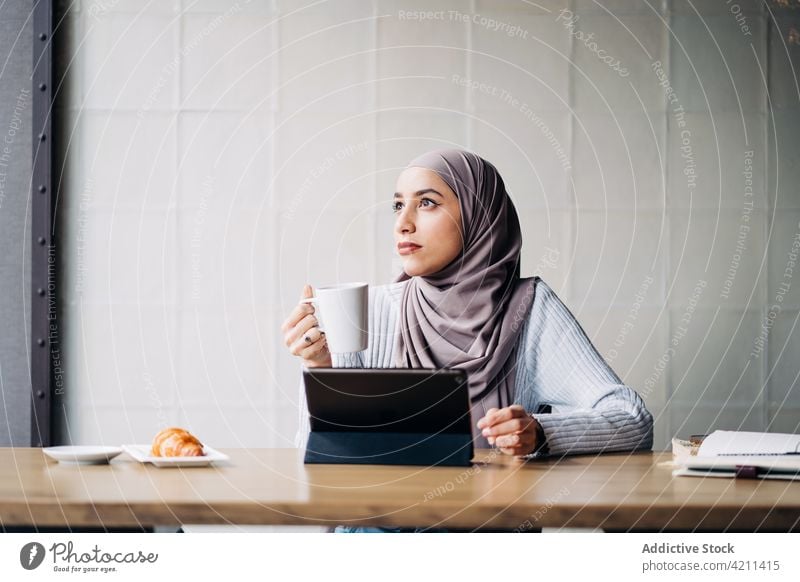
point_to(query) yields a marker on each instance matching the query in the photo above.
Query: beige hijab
(469, 314)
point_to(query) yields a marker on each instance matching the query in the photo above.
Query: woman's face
(427, 214)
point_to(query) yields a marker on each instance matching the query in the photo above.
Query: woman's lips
(407, 248)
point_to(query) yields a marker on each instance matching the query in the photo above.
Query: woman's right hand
(302, 336)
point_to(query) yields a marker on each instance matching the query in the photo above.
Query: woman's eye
(396, 205)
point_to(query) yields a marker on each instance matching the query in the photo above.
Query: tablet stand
(389, 448)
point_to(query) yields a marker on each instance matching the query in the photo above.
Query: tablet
(415, 416)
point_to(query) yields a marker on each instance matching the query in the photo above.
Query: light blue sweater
(592, 410)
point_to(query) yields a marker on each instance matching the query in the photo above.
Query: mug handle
(316, 309)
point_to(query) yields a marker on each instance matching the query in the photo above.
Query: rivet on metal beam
(40, 342)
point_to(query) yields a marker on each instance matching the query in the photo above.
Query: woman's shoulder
(544, 298)
(534, 286)
(539, 315)
(543, 287)
(548, 309)
(542, 291)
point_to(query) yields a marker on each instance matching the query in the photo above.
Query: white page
(684, 472)
(727, 442)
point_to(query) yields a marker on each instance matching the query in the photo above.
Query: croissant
(176, 442)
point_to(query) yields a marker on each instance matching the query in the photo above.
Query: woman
(537, 384)
(460, 303)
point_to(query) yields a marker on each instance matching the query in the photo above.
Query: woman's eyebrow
(419, 193)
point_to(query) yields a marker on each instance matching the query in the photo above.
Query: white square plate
(142, 454)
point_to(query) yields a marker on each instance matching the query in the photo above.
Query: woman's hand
(511, 429)
(302, 336)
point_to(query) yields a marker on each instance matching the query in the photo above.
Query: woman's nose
(404, 221)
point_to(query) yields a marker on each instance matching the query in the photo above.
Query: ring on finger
(308, 339)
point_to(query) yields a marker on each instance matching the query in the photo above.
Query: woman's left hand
(511, 429)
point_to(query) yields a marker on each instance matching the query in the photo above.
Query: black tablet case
(388, 416)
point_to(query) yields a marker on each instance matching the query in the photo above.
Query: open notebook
(745, 454)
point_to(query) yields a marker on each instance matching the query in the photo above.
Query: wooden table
(272, 486)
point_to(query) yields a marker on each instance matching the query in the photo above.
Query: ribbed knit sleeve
(593, 411)
(383, 321)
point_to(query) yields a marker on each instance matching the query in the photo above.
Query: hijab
(469, 314)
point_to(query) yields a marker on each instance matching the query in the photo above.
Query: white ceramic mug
(342, 314)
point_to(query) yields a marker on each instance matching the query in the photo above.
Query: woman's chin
(412, 269)
(415, 267)
(412, 272)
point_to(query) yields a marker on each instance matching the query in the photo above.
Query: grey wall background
(16, 63)
(219, 155)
